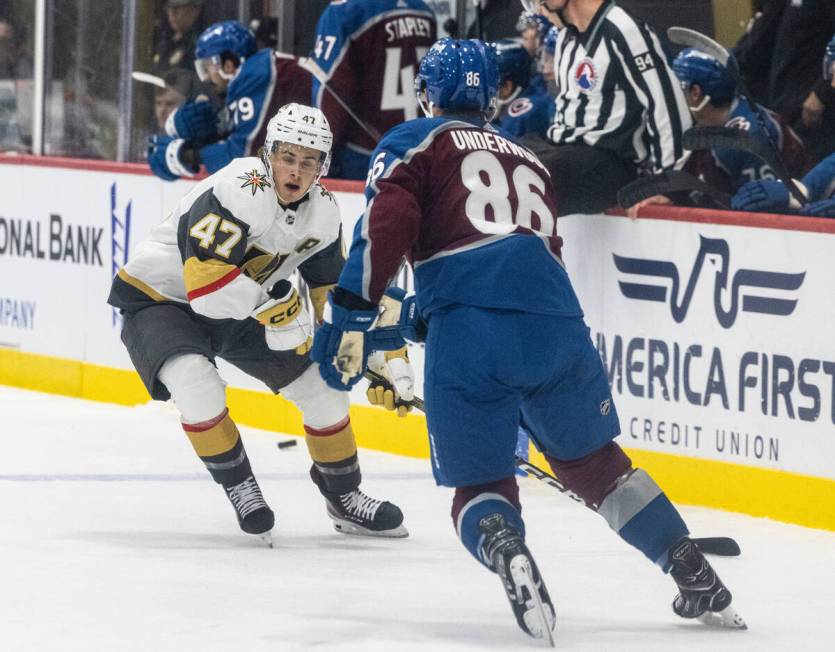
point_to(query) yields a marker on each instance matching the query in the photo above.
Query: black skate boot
(504, 549)
(355, 513)
(702, 595)
(254, 515)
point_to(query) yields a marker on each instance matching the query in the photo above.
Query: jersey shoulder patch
(245, 189)
(253, 76)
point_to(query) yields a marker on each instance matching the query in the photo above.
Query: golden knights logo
(253, 179)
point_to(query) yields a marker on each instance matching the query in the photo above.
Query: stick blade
(690, 38)
(721, 546)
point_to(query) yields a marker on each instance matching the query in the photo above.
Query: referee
(619, 108)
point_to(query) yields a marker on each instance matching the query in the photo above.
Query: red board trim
(671, 213)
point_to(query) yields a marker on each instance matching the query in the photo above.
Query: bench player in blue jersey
(256, 85)
(713, 99)
(475, 214)
(368, 51)
(819, 184)
(523, 107)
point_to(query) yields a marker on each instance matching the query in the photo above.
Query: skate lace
(358, 504)
(246, 496)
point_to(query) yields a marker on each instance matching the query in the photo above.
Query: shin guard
(334, 454)
(218, 443)
(472, 504)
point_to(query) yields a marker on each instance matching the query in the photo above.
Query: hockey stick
(670, 181)
(693, 39)
(313, 68)
(722, 546)
(730, 138)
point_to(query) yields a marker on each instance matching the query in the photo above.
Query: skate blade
(728, 617)
(346, 527)
(266, 537)
(539, 618)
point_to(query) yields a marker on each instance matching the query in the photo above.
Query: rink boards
(714, 330)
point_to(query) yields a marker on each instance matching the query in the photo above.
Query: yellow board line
(780, 495)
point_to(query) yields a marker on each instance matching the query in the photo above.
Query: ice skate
(254, 515)
(702, 594)
(504, 549)
(355, 513)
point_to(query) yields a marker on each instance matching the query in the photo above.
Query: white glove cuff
(170, 129)
(172, 159)
(291, 336)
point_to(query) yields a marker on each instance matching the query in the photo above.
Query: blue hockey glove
(765, 196)
(340, 347)
(165, 156)
(196, 122)
(399, 321)
(823, 208)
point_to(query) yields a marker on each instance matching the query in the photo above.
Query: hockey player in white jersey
(213, 281)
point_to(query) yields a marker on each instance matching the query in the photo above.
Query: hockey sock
(640, 512)
(335, 468)
(471, 504)
(218, 443)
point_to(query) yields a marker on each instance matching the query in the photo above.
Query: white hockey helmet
(306, 126)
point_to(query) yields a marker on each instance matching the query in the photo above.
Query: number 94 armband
(287, 324)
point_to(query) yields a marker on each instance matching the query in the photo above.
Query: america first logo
(748, 289)
(586, 75)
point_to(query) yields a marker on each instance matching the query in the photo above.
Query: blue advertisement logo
(119, 241)
(748, 288)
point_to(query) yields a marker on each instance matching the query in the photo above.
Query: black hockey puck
(289, 443)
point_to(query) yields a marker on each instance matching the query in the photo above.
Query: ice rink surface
(113, 537)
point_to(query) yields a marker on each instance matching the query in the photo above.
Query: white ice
(113, 538)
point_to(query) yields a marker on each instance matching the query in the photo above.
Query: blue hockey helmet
(550, 42)
(693, 66)
(829, 60)
(458, 75)
(514, 62)
(228, 36)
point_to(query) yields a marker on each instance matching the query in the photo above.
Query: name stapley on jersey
(408, 26)
(469, 139)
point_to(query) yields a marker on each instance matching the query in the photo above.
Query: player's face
(555, 5)
(294, 170)
(164, 103)
(832, 75)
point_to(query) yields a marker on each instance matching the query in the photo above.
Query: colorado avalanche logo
(585, 75)
(739, 122)
(519, 107)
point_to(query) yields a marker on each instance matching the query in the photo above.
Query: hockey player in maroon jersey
(368, 52)
(475, 213)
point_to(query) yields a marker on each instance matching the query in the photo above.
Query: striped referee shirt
(616, 91)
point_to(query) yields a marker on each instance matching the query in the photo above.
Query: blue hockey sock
(640, 512)
(476, 509)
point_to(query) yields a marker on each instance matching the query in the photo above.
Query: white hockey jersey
(228, 241)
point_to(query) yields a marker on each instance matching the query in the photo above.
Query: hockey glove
(287, 324)
(399, 389)
(340, 344)
(196, 122)
(169, 158)
(823, 208)
(764, 196)
(399, 321)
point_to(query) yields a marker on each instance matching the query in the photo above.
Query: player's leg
(473, 420)
(200, 395)
(171, 350)
(330, 438)
(335, 469)
(573, 420)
